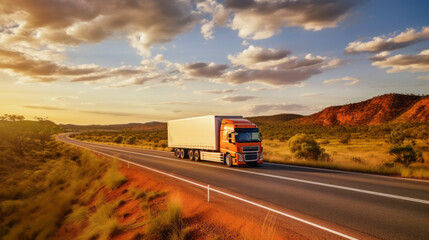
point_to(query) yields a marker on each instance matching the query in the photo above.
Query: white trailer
(200, 133)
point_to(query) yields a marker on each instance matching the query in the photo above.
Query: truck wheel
(177, 153)
(191, 154)
(228, 160)
(182, 153)
(196, 155)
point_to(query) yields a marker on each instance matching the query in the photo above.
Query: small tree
(118, 139)
(406, 155)
(304, 146)
(132, 140)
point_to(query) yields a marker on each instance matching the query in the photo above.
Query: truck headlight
(261, 157)
(239, 157)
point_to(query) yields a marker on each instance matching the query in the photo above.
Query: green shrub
(118, 139)
(406, 155)
(131, 140)
(304, 146)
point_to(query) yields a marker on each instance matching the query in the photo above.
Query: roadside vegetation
(148, 139)
(400, 149)
(51, 190)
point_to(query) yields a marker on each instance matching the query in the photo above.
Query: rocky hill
(377, 110)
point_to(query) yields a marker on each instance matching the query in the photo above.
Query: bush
(396, 138)
(406, 155)
(346, 139)
(304, 146)
(132, 140)
(118, 139)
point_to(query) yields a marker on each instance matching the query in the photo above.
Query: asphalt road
(382, 207)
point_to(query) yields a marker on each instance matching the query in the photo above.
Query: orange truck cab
(231, 140)
(240, 142)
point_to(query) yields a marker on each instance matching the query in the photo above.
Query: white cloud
(405, 63)
(348, 81)
(216, 91)
(263, 18)
(200, 69)
(283, 107)
(274, 67)
(386, 44)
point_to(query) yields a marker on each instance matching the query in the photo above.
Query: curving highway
(377, 206)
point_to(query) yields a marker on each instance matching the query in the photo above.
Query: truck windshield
(247, 135)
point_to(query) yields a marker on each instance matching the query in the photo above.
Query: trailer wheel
(177, 152)
(191, 154)
(228, 160)
(182, 153)
(196, 155)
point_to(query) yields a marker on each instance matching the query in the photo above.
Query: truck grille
(251, 157)
(247, 149)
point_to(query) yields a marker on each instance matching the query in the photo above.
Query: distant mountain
(118, 127)
(377, 110)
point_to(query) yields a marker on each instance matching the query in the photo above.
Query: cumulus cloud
(236, 98)
(283, 107)
(217, 91)
(348, 81)
(219, 15)
(262, 19)
(201, 69)
(40, 70)
(146, 22)
(274, 67)
(405, 63)
(385, 43)
(259, 57)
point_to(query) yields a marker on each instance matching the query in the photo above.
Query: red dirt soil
(222, 218)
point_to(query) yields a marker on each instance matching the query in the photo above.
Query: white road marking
(283, 178)
(346, 172)
(226, 194)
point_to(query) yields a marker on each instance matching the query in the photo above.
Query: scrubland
(52, 190)
(356, 148)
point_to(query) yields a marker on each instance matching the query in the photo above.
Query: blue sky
(78, 67)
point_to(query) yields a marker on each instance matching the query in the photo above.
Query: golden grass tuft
(168, 224)
(102, 223)
(113, 178)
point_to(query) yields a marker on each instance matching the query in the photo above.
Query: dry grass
(362, 155)
(168, 224)
(113, 178)
(102, 223)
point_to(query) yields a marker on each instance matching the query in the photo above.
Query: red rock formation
(374, 111)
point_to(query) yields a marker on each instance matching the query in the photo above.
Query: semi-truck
(231, 140)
